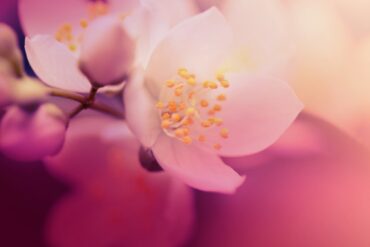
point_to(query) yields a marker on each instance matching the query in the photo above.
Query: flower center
(189, 109)
(72, 38)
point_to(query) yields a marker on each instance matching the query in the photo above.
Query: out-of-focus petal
(141, 115)
(25, 136)
(199, 44)
(55, 64)
(46, 16)
(116, 201)
(257, 111)
(261, 32)
(198, 168)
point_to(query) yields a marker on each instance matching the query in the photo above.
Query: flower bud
(11, 61)
(5, 91)
(107, 52)
(28, 91)
(26, 136)
(8, 41)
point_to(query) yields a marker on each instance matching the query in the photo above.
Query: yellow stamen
(217, 146)
(84, 23)
(221, 97)
(201, 138)
(206, 124)
(212, 85)
(217, 107)
(190, 111)
(159, 105)
(204, 103)
(225, 83)
(187, 140)
(170, 83)
(224, 133)
(166, 124)
(176, 117)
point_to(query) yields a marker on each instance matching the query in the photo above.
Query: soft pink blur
(115, 202)
(321, 200)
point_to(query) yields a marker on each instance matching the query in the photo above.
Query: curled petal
(55, 64)
(198, 168)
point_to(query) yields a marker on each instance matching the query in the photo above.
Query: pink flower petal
(141, 115)
(196, 167)
(200, 44)
(257, 111)
(262, 33)
(46, 16)
(55, 64)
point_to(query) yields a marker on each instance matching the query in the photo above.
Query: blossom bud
(26, 136)
(107, 52)
(28, 91)
(5, 91)
(10, 56)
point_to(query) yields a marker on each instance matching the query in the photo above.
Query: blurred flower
(55, 30)
(330, 72)
(188, 119)
(107, 52)
(26, 135)
(115, 201)
(322, 200)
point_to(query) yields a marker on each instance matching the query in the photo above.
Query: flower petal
(141, 114)
(263, 39)
(199, 44)
(45, 16)
(196, 167)
(257, 111)
(55, 64)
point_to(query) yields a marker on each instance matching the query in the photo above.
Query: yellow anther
(178, 91)
(172, 106)
(165, 115)
(204, 103)
(58, 36)
(67, 28)
(84, 23)
(166, 124)
(170, 83)
(201, 138)
(217, 146)
(191, 81)
(179, 133)
(183, 73)
(176, 117)
(69, 37)
(159, 105)
(220, 77)
(206, 84)
(218, 121)
(72, 47)
(186, 131)
(224, 133)
(188, 121)
(225, 83)
(212, 85)
(206, 124)
(217, 107)
(187, 140)
(221, 97)
(190, 111)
